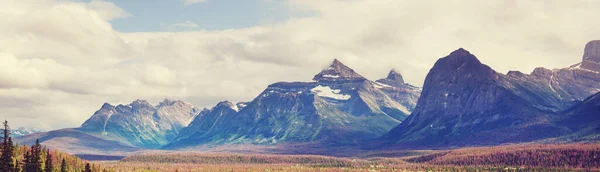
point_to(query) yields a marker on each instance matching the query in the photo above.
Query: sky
(61, 60)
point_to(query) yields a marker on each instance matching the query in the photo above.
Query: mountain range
(21, 131)
(463, 102)
(338, 107)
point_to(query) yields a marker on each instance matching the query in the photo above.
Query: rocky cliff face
(395, 87)
(558, 89)
(465, 102)
(591, 56)
(139, 123)
(339, 107)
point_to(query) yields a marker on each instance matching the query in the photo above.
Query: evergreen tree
(34, 161)
(6, 160)
(88, 168)
(48, 166)
(27, 166)
(63, 166)
(17, 166)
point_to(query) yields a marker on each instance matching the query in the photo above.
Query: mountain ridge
(338, 104)
(466, 103)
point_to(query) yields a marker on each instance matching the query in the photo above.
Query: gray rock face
(393, 85)
(394, 78)
(139, 123)
(465, 102)
(558, 89)
(340, 107)
(592, 51)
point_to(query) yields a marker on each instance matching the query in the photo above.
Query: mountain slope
(584, 120)
(74, 141)
(338, 107)
(140, 124)
(395, 87)
(465, 102)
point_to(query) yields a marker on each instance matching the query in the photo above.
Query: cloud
(183, 26)
(62, 60)
(190, 2)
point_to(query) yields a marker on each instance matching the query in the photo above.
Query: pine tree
(33, 158)
(48, 165)
(87, 167)
(17, 166)
(63, 166)
(27, 166)
(38, 156)
(6, 160)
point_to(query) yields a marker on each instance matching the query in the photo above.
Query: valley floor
(570, 157)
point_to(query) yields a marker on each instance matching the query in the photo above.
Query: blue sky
(163, 15)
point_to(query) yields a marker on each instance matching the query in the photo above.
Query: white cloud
(183, 26)
(62, 60)
(190, 2)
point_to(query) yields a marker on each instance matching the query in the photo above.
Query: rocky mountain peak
(461, 61)
(141, 104)
(107, 106)
(592, 51)
(395, 76)
(462, 56)
(591, 56)
(227, 104)
(393, 79)
(337, 71)
(168, 102)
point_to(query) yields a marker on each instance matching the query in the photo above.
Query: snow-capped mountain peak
(337, 71)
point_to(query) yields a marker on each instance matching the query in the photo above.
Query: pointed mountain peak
(204, 110)
(140, 103)
(462, 63)
(166, 102)
(337, 71)
(107, 106)
(169, 102)
(395, 76)
(458, 59)
(227, 104)
(336, 62)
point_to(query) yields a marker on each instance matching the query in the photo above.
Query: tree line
(36, 158)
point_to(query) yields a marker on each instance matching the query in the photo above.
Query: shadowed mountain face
(584, 120)
(465, 102)
(140, 124)
(339, 107)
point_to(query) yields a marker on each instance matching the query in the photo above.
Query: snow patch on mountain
(380, 85)
(24, 131)
(325, 91)
(331, 76)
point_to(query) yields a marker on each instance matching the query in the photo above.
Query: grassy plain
(571, 157)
